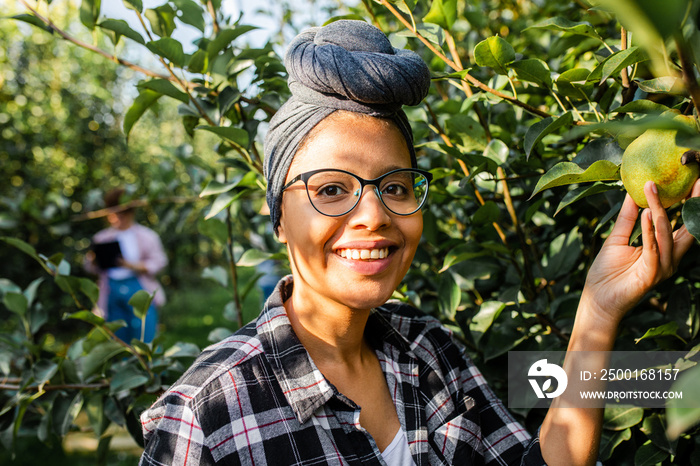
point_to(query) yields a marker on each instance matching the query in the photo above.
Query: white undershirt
(130, 252)
(398, 453)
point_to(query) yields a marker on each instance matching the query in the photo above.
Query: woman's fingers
(662, 227)
(682, 239)
(626, 220)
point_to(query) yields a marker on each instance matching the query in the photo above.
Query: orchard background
(531, 106)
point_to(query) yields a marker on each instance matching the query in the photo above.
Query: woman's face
(322, 248)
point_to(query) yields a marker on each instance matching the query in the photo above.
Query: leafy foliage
(531, 107)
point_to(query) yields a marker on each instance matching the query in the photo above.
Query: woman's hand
(621, 274)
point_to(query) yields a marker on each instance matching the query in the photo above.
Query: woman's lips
(363, 254)
(366, 261)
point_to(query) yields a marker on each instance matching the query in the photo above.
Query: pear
(655, 156)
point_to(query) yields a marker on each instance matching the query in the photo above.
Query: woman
(330, 373)
(141, 258)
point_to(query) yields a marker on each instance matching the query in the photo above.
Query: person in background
(142, 257)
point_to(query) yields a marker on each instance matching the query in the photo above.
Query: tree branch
(691, 83)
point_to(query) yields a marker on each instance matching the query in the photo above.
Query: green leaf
(162, 20)
(135, 5)
(610, 440)
(170, 49)
(15, 302)
(494, 52)
(43, 370)
(622, 417)
(649, 455)
(643, 106)
(486, 214)
(182, 350)
(199, 62)
(599, 149)
(127, 379)
(224, 38)
(461, 253)
(216, 273)
(615, 63)
(484, 319)
(34, 21)
(64, 410)
(165, 87)
(141, 301)
(682, 414)
(98, 356)
(582, 192)
(222, 201)
(497, 151)
(542, 128)
(89, 289)
(574, 83)
(89, 13)
(85, 316)
(216, 187)
(691, 216)
(237, 136)
(449, 295)
(255, 257)
(214, 229)
(96, 414)
(191, 13)
(145, 99)
(663, 85)
(563, 253)
(121, 28)
(565, 173)
(443, 13)
(654, 427)
(22, 246)
(669, 329)
(533, 70)
(559, 23)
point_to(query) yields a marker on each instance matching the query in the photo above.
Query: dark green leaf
(191, 13)
(216, 273)
(683, 413)
(487, 213)
(22, 246)
(663, 85)
(121, 28)
(127, 380)
(599, 149)
(641, 106)
(145, 99)
(136, 5)
(199, 62)
(494, 52)
(94, 408)
(224, 38)
(544, 127)
(449, 295)
(43, 370)
(232, 134)
(669, 329)
(565, 173)
(654, 427)
(484, 318)
(227, 98)
(443, 13)
(64, 411)
(33, 20)
(574, 83)
(170, 49)
(582, 192)
(610, 440)
(86, 316)
(214, 229)
(141, 301)
(255, 257)
(533, 70)
(165, 87)
(461, 253)
(162, 20)
(89, 13)
(649, 455)
(223, 201)
(563, 253)
(182, 350)
(562, 24)
(691, 216)
(98, 356)
(615, 63)
(15, 302)
(622, 417)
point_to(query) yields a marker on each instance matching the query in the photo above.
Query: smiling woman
(332, 372)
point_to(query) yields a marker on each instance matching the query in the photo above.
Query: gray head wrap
(346, 65)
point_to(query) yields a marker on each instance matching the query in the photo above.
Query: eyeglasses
(335, 192)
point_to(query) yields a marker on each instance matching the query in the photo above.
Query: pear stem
(691, 156)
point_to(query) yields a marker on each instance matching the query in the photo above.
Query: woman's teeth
(363, 254)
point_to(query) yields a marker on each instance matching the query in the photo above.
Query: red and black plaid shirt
(257, 398)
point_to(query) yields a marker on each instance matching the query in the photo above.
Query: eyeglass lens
(336, 193)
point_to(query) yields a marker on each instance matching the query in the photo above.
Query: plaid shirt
(257, 398)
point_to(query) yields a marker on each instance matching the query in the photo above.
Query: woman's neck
(331, 332)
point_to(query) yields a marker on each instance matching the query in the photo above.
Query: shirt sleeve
(173, 435)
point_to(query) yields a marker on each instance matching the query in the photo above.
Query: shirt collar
(303, 384)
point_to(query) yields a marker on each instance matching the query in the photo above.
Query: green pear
(655, 156)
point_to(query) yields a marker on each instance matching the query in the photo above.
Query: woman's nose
(370, 212)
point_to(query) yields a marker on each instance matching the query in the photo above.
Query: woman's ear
(279, 231)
